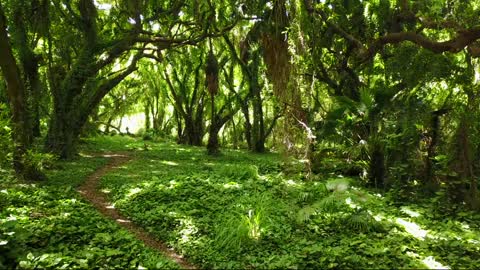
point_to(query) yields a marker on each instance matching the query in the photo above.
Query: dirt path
(89, 190)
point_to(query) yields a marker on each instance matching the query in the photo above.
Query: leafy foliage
(5, 138)
(49, 226)
(220, 215)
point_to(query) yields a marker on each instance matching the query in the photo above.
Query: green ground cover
(236, 210)
(239, 210)
(49, 226)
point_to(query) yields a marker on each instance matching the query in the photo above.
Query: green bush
(6, 144)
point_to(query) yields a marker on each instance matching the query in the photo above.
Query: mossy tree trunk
(23, 39)
(22, 129)
(464, 187)
(258, 127)
(189, 109)
(76, 98)
(219, 119)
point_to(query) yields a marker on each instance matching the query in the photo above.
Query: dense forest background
(385, 92)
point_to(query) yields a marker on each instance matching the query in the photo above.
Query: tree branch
(464, 38)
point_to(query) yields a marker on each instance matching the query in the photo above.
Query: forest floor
(238, 210)
(89, 190)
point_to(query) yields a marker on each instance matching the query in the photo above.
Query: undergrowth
(240, 210)
(234, 211)
(48, 226)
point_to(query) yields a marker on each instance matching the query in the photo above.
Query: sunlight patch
(103, 6)
(173, 184)
(188, 229)
(171, 163)
(350, 203)
(134, 191)
(378, 217)
(123, 220)
(432, 264)
(473, 241)
(409, 212)
(412, 228)
(232, 185)
(291, 183)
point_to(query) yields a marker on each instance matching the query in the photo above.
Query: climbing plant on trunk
(22, 129)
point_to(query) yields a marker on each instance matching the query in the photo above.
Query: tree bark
(147, 116)
(213, 145)
(29, 63)
(258, 128)
(22, 131)
(189, 109)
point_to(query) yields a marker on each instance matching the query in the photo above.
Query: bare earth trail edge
(89, 190)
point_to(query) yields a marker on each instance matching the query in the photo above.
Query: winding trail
(89, 190)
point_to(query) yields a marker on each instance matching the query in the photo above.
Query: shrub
(6, 144)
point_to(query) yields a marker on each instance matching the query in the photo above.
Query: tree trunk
(34, 87)
(76, 98)
(247, 125)
(213, 145)
(430, 182)
(60, 137)
(258, 129)
(464, 187)
(377, 165)
(147, 116)
(29, 63)
(193, 132)
(22, 131)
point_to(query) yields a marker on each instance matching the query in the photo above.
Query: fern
(360, 221)
(338, 184)
(330, 204)
(305, 213)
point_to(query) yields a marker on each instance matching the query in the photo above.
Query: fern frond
(333, 203)
(338, 184)
(361, 221)
(305, 213)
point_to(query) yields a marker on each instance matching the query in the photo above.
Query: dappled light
(170, 163)
(228, 134)
(250, 218)
(412, 228)
(409, 212)
(123, 220)
(133, 191)
(187, 230)
(232, 185)
(432, 264)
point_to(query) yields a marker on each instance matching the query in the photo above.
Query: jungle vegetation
(263, 134)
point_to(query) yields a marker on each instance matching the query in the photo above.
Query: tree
(22, 131)
(133, 30)
(356, 49)
(188, 95)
